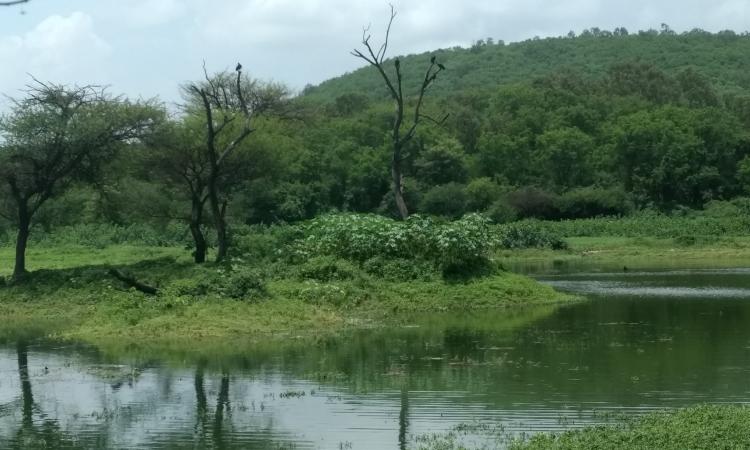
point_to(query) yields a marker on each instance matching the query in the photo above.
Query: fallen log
(132, 282)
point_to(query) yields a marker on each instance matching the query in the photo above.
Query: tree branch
(14, 2)
(132, 282)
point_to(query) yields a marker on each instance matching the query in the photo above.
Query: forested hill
(723, 58)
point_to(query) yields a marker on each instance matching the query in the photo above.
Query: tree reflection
(201, 412)
(403, 419)
(222, 405)
(201, 406)
(47, 433)
(26, 394)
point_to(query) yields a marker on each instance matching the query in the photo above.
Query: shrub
(481, 193)
(362, 237)
(529, 235)
(535, 203)
(327, 268)
(593, 202)
(260, 242)
(243, 285)
(447, 200)
(719, 208)
(237, 284)
(501, 212)
(399, 269)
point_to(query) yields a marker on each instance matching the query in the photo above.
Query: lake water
(645, 340)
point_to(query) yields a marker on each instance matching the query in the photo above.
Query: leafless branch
(14, 2)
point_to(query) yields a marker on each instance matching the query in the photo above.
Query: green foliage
(481, 193)
(99, 235)
(712, 55)
(362, 237)
(706, 426)
(529, 234)
(534, 203)
(327, 268)
(399, 269)
(446, 200)
(442, 163)
(651, 224)
(593, 202)
(501, 212)
(73, 297)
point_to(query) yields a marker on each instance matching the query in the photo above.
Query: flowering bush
(363, 237)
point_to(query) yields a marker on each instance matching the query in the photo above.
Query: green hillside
(723, 58)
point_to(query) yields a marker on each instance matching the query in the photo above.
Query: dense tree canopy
(599, 124)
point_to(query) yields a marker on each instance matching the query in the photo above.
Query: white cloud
(59, 49)
(150, 46)
(145, 13)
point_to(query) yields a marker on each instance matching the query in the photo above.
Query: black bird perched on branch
(239, 67)
(442, 67)
(397, 62)
(432, 60)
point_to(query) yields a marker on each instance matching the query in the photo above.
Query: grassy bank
(701, 427)
(645, 240)
(697, 427)
(71, 295)
(633, 252)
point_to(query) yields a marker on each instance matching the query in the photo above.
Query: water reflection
(536, 370)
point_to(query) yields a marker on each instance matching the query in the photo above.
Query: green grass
(70, 256)
(634, 252)
(698, 427)
(701, 427)
(70, 295)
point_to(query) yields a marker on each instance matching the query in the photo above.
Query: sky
(147, 48)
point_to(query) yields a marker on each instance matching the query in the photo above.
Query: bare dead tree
(401, 132)
(230, 104)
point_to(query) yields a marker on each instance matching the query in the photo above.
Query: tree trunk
(22, 239)
(219, 223)
(398, 189)
(196, 219)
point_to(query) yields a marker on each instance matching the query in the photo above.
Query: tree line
(563, 145)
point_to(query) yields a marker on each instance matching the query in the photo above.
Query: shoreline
(80, 303)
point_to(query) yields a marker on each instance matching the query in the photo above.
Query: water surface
(645, 340)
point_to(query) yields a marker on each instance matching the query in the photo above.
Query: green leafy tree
(563, 157)
(230, 104)
(59, 135)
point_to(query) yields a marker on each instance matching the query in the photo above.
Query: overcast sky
(148, 47)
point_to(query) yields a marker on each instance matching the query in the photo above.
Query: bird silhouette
(397, 62)
(442, 67)
(239, 67)
(432, 60)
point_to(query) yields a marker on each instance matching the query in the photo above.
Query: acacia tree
(56, 136)
(401, 131)
(181, 166)
(229, 103)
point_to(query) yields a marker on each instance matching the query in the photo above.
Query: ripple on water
(625, 289)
